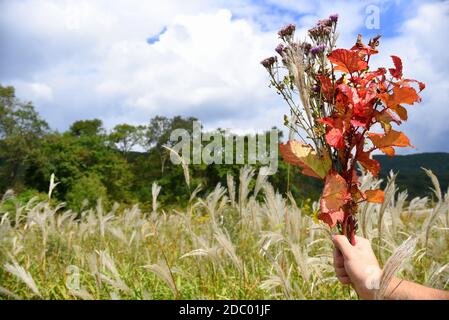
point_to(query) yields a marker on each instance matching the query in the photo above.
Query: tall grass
(227, 245)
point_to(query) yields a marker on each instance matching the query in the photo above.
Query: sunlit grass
(227, 245)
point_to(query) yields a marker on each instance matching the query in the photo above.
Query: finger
(361, 241)
(344, 280)
(339, 261)
(342, 244)
(341, 272)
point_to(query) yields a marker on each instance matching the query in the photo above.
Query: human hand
(357, 265)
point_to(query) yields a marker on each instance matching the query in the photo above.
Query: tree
(87, 189)
(70, 158)
(158, 134)
(21, 129)
(125, 137)
(87, 128)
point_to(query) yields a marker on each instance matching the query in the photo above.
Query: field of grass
(242, 241)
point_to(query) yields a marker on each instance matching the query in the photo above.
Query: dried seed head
(318, 49)
(268, 62)
(287, 31)
(333, 17)
(280, 49)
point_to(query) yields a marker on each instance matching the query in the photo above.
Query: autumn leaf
(304, 156)
(376, 196)
(397, 70)
(363, 49)
(421, 85)
(385, 118)
(401, 112)
(327, 88)
(389, 151)
(404, 94)
(347, 61)
(386, 142)
(335, 194)
(331, 218)
(335, 131)
(369, 164)
(334, 137)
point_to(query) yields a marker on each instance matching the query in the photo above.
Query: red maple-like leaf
(331, 218)
(397, 70)
(347, 61)
(335, 193)
(386, 142)
(376, 196)
(327, 88)
(369, 164)
(404, 94)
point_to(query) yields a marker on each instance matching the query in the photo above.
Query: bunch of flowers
(342, 111)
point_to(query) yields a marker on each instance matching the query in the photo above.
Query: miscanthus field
(242, 241)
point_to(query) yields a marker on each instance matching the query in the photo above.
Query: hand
(357, 265)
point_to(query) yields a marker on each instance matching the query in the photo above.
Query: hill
(410, 173)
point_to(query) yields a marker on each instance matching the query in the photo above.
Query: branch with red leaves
(341, 111)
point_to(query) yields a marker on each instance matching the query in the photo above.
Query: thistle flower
(333, 17)
(324, 23)
(268, 62)
(280, 49)
(287, 31)
(319, 31)
(317, 49)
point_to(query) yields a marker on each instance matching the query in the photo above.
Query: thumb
(342, 243)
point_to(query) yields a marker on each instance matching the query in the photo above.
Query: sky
(128, 61)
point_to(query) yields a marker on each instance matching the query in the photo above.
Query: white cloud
(85, 59)
(422, 47)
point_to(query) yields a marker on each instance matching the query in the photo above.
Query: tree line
(90, 162)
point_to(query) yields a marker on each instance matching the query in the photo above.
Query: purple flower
(333, 17)
(316, 88)
(280, 49)
(319, 31)
(287, 31)
(324, 23)
(268, 62)
(317, 49)
(306, 47)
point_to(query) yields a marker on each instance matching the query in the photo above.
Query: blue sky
(127, 61)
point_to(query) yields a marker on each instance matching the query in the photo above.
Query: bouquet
(341, 111)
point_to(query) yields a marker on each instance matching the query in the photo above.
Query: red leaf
(421, 85)
(327, 87)
(331, 218)
(334, 138)
(335, 131)
(397, 70)
(401, 112)
(386, 142)
(389, 151)
(347, 61)
(376, 196)
(335, 193)
(400, 95)
(369, 164)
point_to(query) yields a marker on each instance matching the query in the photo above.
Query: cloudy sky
(127, 61)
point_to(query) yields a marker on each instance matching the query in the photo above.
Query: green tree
(125, 137)
(72, 157)
(21, 129)
(87, 128)
(86, 191)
